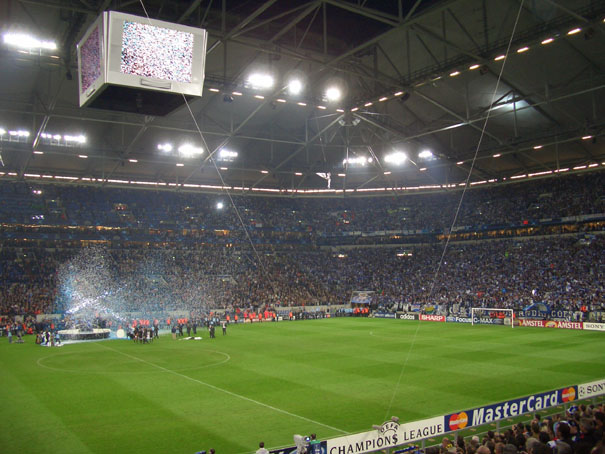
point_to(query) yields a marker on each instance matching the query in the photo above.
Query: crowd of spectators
(175, 251)
(145, 215)
(577, 431)
(563, 272)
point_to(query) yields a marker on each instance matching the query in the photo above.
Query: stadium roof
(415, 75)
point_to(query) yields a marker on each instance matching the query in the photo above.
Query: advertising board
(509, 409)
(389, 434)
(432, 318)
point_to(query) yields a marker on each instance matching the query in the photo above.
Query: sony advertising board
(389, 435)
(509, 409)
(594, 388)
(594, 326)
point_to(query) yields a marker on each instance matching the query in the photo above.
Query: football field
(272, 380)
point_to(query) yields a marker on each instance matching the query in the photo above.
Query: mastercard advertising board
(489, 413)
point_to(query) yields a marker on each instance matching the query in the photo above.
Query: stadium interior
(432, 156)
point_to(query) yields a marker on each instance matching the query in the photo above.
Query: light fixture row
(259, 81)
(47, 177)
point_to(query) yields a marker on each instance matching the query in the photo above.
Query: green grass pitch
(269, 381)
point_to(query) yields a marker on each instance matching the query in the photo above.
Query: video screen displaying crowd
(286, 264)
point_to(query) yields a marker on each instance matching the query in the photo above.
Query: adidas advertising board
(406, 316)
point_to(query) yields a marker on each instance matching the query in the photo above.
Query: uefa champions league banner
(388, 435)
(509, 409)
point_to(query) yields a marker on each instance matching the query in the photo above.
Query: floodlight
(167, 147)
(260, 80)
(574, 31)
(2, 131)
(18, 133)
(358, 160)
(295, 86)
(397, 158)
(522, 49)
(475, 66)
(220, 205)
(547, 41)
(68, 138)
(333, 94)
(187, 150)
(24, 41)
(500, 57)
(227, 155)
(425, 154)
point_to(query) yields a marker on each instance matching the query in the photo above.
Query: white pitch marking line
(216, 388)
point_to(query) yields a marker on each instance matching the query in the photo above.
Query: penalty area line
(230, 393)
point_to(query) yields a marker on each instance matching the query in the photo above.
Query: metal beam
(567, 11)
(299, 149)
(261, 9)
(304, 13)
(379, 16)
(194, 5)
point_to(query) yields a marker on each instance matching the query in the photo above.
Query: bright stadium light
(295, 86)
(167, 147)
(220, 205)
(24, 41)
(73, 139)
(187, 150)
(425, 154)
(227, 155)
(18, 133)
(260, 80)
(397, 158)
(333, 94)
(357, 161)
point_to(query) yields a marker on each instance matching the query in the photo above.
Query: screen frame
(114, 75)
(100, 25)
